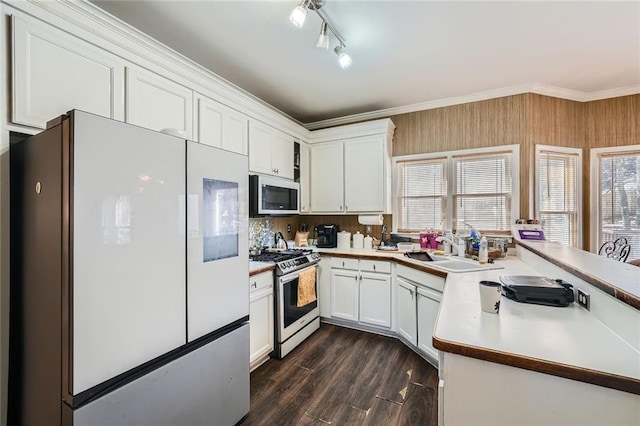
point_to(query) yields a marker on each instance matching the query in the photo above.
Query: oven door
(292, 318)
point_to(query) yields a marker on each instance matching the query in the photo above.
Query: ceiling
(404, 52)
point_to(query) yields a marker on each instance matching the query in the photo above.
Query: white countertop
(570, 336)
(256, 266)
(621, 275)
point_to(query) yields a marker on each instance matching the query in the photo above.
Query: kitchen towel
(306, 287)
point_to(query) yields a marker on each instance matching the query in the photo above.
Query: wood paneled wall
(527, 120)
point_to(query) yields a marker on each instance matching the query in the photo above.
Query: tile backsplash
(261, 230)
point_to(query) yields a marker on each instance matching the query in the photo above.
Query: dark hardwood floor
(341, 376)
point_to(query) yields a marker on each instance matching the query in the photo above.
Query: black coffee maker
(327, 236)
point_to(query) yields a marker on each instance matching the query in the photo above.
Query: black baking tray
(537, 290)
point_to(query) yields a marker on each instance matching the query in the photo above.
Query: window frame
(450, 175)
(579, 194)
(594, 187)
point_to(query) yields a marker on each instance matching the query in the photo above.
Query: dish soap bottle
(483, 251)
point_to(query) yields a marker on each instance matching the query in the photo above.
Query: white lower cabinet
(261, 320)
(428, 305)
(418, 302)
(344, 294)
(324, 287)
(407, 311)
(361, 291)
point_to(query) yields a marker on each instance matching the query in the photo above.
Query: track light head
(343, 58)
(323, 38)
(299, 14)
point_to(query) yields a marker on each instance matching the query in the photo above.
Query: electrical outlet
(368, 229)
(288, 228)
(584, 299)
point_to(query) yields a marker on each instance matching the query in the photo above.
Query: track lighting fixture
(323, 38)
(298, 16)
(343, 58)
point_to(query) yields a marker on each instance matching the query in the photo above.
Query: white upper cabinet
(54, 73)
(327, 178)
(157, 103)
(218, 125)
(364, 174)
(270, 151)
(351, 168)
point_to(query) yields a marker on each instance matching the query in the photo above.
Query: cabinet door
(327, 178)
(54, 73)
(428, 305)
(260, 149)
(364, 174)
(220, 126)
(261, 324)
(324, 287)
(375, 299)
(344, 294)
(304, 178)
(282, 155)
(158, 103)
(406, 299)
(235, 132)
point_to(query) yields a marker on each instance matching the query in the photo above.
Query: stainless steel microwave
(270, 196)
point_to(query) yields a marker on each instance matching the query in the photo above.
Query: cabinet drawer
(344, 263)
(421, 278)
(375, 266)
(259, 281)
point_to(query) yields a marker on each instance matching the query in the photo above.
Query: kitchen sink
(455, 264)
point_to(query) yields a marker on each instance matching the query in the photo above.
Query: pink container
(428, 240)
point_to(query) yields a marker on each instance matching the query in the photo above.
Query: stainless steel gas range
(293, 323)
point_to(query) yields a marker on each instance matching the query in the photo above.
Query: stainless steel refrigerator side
(36, 260)
(209, 386)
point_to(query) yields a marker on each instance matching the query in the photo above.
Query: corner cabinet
(351, 168)
(218, 125)
(270, 151)
(261, 319)
(54, 72)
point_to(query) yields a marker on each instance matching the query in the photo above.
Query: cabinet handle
(343, 263)
(374, 267)
(254, 285)
(340, 207)
(356, 277)
(346, 208)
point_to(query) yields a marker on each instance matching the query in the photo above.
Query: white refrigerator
(129, 267)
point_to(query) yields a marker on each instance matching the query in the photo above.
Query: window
(446, 190)
(615, 189)
(558, 189)
(482, 195)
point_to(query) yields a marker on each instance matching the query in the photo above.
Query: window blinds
(558, 196)
(482, 194)
(422, 194)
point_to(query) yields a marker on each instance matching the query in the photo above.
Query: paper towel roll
(370, 219)
(358, 240)
(344, 240)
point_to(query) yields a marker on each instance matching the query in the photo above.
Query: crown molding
(537, 88)
(375, 127)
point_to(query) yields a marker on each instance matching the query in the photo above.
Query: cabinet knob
(340, 207)
(346, 208)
